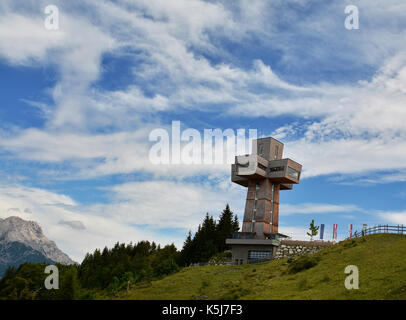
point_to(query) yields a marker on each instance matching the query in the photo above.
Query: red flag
(350, 230)
(334, 231)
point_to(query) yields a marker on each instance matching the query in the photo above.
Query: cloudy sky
(77, 106)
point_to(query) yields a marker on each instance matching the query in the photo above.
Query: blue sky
(77, 106)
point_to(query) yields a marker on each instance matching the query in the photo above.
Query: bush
(220, 257)
(303, 263)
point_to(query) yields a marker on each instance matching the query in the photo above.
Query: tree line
(210, 238)
(108, 271)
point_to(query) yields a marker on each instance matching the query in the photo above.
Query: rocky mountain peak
(17, 232)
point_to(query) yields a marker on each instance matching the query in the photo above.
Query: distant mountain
(23, 241)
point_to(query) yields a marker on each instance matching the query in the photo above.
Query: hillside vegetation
(381, 260)
(106, 273)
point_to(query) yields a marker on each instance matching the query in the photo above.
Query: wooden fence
(399, 229)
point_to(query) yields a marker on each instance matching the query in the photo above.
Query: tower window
(261, 149)
(261, 166)
(293, 173)
(276, 152)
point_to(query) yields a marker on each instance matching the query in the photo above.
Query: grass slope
(381, 260)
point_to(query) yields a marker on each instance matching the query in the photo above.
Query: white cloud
(168, 204)
(25, 40)
(295, 232)
(348, 156)
(317, 208)
(355, 123)
(75, 224)
(49, 209)
(395, 217)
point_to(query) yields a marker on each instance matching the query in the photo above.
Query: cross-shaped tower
(264, 173)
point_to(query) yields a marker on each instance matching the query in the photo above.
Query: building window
(261, 149)
(261, 166)
(293, 173)
(276, 152)
(254, 254)
(273, 169)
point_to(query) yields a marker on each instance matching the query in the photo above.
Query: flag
(334, 231)
(350, 230)
(321, 231)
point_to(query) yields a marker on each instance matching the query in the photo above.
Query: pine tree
(313, 230)
(205, 240)
(186, 253)
(70, 285)
(236, 224)
(210, 238)
(227, 225)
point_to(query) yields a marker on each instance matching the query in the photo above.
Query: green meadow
(381, 261)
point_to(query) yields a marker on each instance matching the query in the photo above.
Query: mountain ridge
(24, 241)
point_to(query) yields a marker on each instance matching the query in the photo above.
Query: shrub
(220, 258)
(350, 244)
(303, 263)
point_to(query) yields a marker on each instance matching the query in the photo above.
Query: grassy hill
(381, 260)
